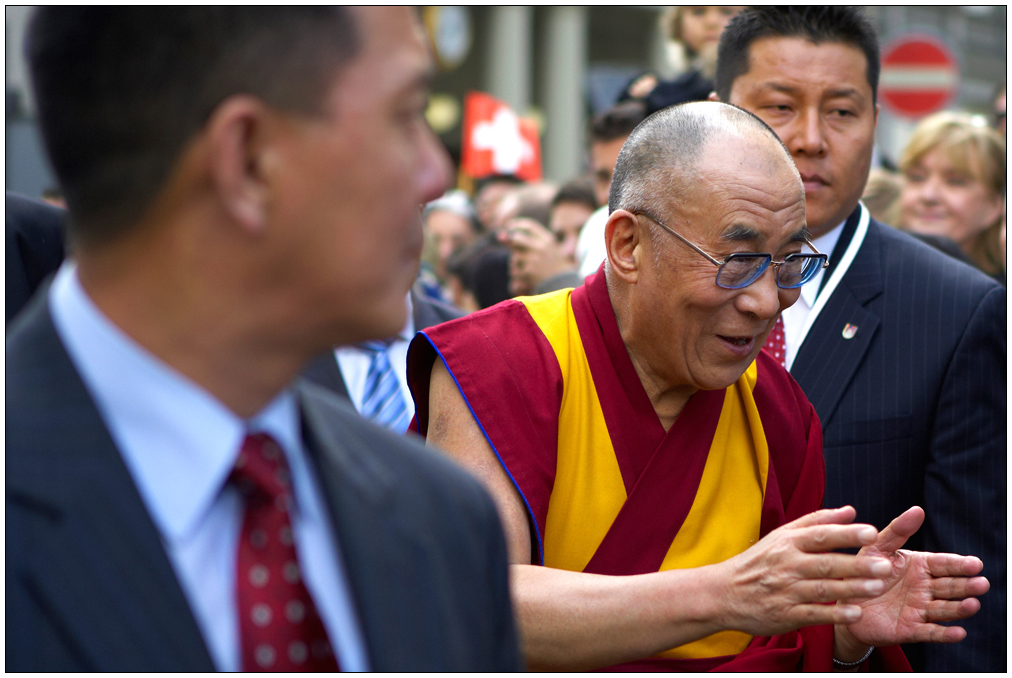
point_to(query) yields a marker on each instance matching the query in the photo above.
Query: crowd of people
(702, 407)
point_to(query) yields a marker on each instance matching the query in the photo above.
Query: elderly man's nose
(762, 298)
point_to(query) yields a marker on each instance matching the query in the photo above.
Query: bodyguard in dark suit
(902, 349)
(175, 502)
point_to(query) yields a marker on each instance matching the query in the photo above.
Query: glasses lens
(798, 269)
(741, 270)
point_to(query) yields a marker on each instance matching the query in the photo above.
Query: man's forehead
(726, 155)
(738, 200)
(392, 37)
(772, 59)
(606, 152)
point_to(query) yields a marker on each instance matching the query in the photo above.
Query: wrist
(700, 600)
(715, 598)
(846, 648)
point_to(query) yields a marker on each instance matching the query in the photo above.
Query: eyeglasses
(741, 269)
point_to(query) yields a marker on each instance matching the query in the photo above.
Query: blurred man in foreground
(900, 349)
(632, 427)
(174, 503)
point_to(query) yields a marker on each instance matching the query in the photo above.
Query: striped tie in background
(382, 400)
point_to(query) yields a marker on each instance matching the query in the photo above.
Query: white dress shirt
(795, 316)
(590, 249)
(354, 363)
(179, 444)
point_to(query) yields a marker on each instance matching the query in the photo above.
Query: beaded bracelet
(860, 661)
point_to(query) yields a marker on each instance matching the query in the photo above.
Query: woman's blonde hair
(882, 195)
(976, 150)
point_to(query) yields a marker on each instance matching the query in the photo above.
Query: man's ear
(236, 133)
(624, 244)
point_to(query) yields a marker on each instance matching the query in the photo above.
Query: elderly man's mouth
(739, 345)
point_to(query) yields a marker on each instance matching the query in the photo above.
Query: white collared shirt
(355, 362)
(179, 444)
(590, 247)
(795, 316)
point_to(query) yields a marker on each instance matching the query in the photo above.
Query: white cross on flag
(497, 141)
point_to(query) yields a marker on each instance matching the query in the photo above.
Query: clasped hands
(884, 595)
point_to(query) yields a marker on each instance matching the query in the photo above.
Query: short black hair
(511, 179)
(617, 122)
(817, 23)
(120, 90)
(580, 191)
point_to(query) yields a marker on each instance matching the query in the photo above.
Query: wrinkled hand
(921, 590)
(782, 582)
(535, 255)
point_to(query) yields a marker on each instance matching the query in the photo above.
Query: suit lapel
(427, 313)
(99, 569)
(422, 313)
(325, 371)
(840, 337)
(383, 561)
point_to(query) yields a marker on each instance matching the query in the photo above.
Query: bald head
(659, 161)
(694, 185)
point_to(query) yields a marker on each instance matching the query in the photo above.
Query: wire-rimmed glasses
(741, 269)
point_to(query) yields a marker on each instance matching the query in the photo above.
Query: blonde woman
(953, 186)
(693, 33)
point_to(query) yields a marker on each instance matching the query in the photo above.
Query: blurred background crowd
(584, 77)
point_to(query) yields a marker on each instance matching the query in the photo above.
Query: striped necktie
(382, 400)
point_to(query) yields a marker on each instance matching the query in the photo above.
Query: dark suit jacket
(35, 235)
(913, 412)
(89, 587)
(324, 371)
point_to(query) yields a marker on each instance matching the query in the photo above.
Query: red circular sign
(919, 75)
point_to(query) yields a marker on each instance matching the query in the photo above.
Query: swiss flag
(497, 141)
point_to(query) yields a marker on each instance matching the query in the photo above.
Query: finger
(832, 590)
(520, 237)
(842, 566)
(896, 533)
(840, 516)
(951, 610)
(933, 633)
(529, 228)
(820, 538)
(517, 246)
(957, 588)
(952, 565)
(815, 614)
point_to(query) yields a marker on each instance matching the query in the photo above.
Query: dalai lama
(658, 477)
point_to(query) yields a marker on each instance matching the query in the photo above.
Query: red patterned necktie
(279, 625)
(775, 344)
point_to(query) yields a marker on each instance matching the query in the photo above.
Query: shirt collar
(408, 333)
(178, 441)
(825, 244)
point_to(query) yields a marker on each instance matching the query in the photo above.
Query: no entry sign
(919, 75)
